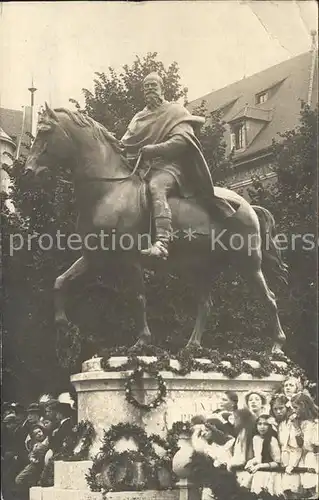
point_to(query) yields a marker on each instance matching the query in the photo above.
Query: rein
(112, 179)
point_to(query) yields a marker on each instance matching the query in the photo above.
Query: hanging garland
(229, 364)
(136, 378)
(188, 362)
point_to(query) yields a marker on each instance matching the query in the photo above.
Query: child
(278, 410)
(306, 415)
(256, 402)
(209, 439)
(30, 475)
(242, 446)
(266, 456)
(290, 440)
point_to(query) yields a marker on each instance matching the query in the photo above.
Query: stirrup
(158, 249)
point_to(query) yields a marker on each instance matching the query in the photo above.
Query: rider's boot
(163, 230)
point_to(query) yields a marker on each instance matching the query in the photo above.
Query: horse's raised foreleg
(60, 288)
(138, 288)
(203, 310)
(257, 279)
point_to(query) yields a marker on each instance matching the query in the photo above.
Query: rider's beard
(153, 99)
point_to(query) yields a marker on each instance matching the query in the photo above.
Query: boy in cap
(30, 475)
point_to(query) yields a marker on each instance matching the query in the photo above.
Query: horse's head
(52, 144)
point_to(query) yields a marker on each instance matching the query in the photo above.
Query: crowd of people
(270, 446)
(31, 439)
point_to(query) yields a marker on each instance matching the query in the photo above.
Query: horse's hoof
(277, 349)
(142, 342)
(191, 345)
(61, 322)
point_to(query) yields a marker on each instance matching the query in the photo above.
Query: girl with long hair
(267, 457)
(306, 418)
(256, 402)
(291, 441)
(241, 447)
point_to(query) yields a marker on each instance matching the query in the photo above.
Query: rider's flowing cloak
(158, 125)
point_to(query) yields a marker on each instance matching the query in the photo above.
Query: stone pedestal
(101, 400)
(101, 396)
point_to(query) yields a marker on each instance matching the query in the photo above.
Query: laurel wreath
(145, 456)
(136, 379)
(83, 433)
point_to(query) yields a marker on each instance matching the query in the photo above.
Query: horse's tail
(272, 262)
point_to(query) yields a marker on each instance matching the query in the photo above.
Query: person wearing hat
(60, 415)
(23, 430)
(256, 403)
(33, 417)
(34, 412)
(62, 423)
(16, 409)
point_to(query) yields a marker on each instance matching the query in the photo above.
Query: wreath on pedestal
(136, 379)
(77, 445)
(116, 471)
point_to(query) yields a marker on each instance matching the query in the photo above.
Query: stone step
(54, 493)
(71, 475)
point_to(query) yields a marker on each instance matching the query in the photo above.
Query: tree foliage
(293, 201)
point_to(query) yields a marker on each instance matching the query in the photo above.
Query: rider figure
(163, 134)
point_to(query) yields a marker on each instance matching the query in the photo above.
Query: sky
(62, 44)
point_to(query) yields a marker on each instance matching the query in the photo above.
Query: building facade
(15, 127)
(258, 109)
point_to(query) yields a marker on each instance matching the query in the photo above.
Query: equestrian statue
(155, 182)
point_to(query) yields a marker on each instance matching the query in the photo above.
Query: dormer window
(238, 136)
(262, 97)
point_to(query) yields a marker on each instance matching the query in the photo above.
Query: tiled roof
(288, 83)
(4, 137)
(11, 122)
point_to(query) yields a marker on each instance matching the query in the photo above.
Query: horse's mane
(99, 131)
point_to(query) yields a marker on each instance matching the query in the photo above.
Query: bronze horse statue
(111, 198)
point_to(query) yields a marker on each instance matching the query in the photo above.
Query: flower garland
(188, 362)
(136, 378)
(77, 445)
(229, 364)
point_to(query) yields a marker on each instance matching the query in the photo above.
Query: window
(262, 97)
(238, 137)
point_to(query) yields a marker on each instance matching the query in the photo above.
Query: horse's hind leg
(257, 279)
(60, 288)
(203, 310)
(137, 286)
